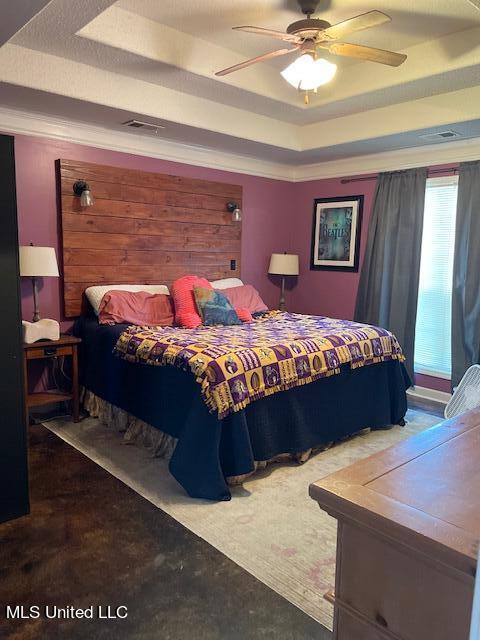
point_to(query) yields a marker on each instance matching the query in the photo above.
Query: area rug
(271, 527)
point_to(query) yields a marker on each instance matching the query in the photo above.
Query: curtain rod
(374, 177)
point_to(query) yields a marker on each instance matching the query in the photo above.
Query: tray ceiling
(157, 59)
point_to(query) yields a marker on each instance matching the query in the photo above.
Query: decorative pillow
(95, 294)
(186, 312)
(226, 283)
(246, 297)
(215, 307)
(137, 307)
(243, 314)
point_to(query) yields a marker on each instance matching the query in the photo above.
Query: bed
(208, 450)
(153, 228)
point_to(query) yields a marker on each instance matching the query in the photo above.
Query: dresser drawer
(48, 352)
(350, 627)
(411, 597)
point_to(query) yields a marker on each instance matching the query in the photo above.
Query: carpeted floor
(271, 527)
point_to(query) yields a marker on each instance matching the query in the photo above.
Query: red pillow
(186, 312)
(245, 297)
(243, 314)
(136, 307)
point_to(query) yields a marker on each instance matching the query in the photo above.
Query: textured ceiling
(412, 21)
(258, 88)
(16, 14)
(158, 58)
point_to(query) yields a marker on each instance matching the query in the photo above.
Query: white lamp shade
(38, 261)
(283, 264)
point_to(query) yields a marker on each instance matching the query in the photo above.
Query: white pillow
(95, 294)
(227, 283)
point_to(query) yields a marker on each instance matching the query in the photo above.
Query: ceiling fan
(311, 34)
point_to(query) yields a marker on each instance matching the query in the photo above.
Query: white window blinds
(433, 328)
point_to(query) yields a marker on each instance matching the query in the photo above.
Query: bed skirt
(162, 445)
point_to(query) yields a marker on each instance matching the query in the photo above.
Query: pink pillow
(245, 297)
(136, 307)
(186, 312)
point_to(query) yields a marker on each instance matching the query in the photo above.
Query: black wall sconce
(82, 190)
(235, 211)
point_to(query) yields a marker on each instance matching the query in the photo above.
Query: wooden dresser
(407, 542)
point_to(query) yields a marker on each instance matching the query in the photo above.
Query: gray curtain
(466, 273)
(388, 289)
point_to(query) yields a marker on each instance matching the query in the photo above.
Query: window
(433, 328)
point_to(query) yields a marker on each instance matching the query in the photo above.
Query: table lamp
(37, 262)
(283, 264)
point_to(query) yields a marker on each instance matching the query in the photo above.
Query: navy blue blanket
(208, 449)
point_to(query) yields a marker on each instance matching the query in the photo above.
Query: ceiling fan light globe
(307, 74)
(297, 70)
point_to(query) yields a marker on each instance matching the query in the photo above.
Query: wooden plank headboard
(146, 228)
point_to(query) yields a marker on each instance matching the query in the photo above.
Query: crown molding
(39, 125)
(424, 156)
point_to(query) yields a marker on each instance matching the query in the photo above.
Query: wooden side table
(45, 350)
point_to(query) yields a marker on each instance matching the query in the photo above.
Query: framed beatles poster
(336, 233)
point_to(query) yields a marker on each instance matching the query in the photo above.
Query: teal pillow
(214, 307)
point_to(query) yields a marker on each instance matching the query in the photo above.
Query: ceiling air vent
(146, 126)
(441, 135)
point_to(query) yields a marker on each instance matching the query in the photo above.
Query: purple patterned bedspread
(239, 364)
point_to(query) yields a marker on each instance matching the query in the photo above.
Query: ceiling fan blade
(367, 53)
(363, 21)
(279, 35)
(247, 63)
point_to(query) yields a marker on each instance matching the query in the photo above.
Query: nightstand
(45, 350)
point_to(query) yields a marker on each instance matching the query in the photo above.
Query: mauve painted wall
(329, 293)
(439, 384)
(266, 206)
